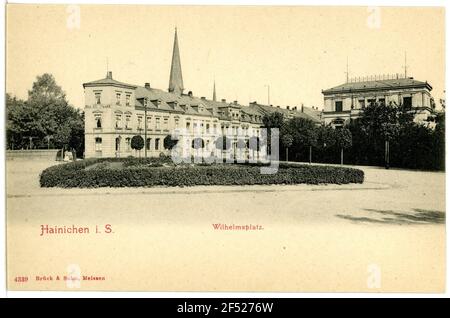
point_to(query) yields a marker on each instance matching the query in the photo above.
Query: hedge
(71, 175)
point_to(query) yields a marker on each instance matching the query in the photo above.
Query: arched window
(118, 144)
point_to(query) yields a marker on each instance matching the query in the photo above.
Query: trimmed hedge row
(73, 174)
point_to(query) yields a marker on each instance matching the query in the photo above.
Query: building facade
(348, 101)
(116, 111)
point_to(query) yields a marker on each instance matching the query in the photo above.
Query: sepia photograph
(225, 148)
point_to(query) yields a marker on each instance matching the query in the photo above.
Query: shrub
(140, 173)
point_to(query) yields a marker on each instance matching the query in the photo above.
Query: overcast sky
(298, 51)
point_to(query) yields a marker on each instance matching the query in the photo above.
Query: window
(98, 98)
(98, 122)
(118, 121)
(207, 128)
(139, 122)
(188, 126)
(166, 123)
(149, 122)
(147, 143)
(127, 99)
(118, 98)
(177, 122)
(157, 144)
(338, 106)
(407, 101)
(362, 104)
(118, 144)
(127, 122)
(128, 142)
(382, 101)
(371, 101)
(158, 124)
(98, 144)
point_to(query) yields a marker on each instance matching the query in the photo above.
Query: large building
(116, 111)
(347, 101)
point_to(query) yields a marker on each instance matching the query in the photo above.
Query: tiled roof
(377, 85)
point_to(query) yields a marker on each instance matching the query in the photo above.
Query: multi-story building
(116, 111)
(347, 101)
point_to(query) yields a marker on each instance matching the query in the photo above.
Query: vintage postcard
(225, 148)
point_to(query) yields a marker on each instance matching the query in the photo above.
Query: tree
(45, 87)
(198, 143)
(343, 140)
(287, 141)
(382, 123)
(169, 143)
(223, 143)
(137, 143)
(304, 134)
(272, 120)
(45, 117)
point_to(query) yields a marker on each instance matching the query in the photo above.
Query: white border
(80, 294)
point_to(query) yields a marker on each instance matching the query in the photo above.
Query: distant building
(347, 101)
(115, 111)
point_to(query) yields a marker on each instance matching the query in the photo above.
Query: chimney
(253, 103)
(294, 108)
(302, 108)
(224, 100)
(147, 85)
(235, 102)
(190, 93)
(287, 107)
(278, 106)
(203, 98)
(109, 75)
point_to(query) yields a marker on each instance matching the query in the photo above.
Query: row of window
(98, 98)
(407, 101)
(148, 144)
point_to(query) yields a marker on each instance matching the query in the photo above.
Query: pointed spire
(214, 92)
(176, 77)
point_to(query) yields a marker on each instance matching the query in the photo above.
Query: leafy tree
(287, 140)
(46, 117)
(343, 140)
(223, 143)
(272, 120)
(198, 143)
(137, 143)
(304, 134)
(45, 88)
(169, 143)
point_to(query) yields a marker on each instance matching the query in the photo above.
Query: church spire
(214, 92)
(176, 77)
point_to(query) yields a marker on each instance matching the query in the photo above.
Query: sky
(297, 51)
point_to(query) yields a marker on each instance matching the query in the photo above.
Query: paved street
(387, 234)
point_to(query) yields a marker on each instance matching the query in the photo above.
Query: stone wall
(37, 154)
